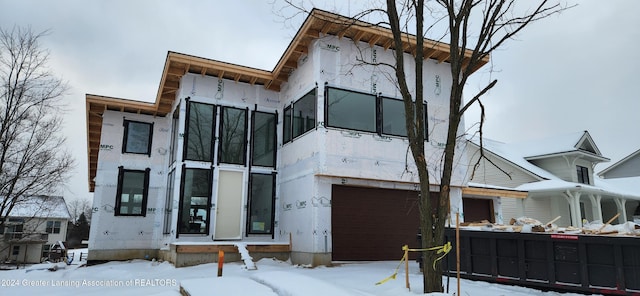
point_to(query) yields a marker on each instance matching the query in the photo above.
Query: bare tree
(33, 160)
(475, 29)
(78, 207)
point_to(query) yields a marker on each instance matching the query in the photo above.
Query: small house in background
(558, 174)
(308, 160)
(33, 225)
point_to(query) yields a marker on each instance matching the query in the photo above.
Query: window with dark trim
(304, 114)
(300, 117)
(195, 201)
(286, 124)
(261, 204)
(53, 227)
(263, 139)
(393, 118)
(168, 202)
(583, 174)
(350, 110)
(175, 133)
(15, 251)
(132, 193)
(137, 137)
(199, 132)
(233, 136)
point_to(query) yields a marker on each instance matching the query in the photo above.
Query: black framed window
(15, 251)
(263, 139)
(132, 193)
(175, 133)
(233, 136)
(393, 118)
(168, 202)
(304, 114)
(195, 201)
(300, 117)
(583, 174)
(53, 227)
(199, 132)
(350, 110)
(286, 124)
(261, 204)
(137, 137)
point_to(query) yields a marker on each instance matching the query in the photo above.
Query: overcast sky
(570, 72)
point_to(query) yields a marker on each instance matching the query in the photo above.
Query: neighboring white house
(32, 226)
(558, 174)
(311, 156)
(625, 174)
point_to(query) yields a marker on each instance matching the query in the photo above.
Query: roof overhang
(318, 23)
(575, 153)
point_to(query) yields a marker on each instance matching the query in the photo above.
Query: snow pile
(244, 255)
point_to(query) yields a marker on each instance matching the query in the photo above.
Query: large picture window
(199, 132)
(261, 204)
(233, 136)
(131, 197)
(137, 137)
(300, 117)
(195, 201)
(263, 140)
(351, 110)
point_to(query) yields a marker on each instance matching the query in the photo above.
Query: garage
(372, 223)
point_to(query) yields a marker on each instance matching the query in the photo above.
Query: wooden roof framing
(318, 23)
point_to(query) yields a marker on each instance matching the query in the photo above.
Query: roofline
(318, 23)
(619, 162)
(512, 163)
(541, 156)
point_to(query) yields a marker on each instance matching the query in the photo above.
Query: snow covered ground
(272, 277)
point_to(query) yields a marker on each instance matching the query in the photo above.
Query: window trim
(290, 117)
(275, 137)
(52, 229)
(145, 192)
(185, 138)
(584, 173)
(326, 109)
(273, 205)
(379, 116)
(244, 140)
(125, 137)
(181, 198)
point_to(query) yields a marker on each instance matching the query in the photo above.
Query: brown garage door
(372, 223)
(477, 209)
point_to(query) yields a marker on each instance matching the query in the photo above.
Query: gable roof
(619, 162)
(577, 142)
(509, 154)
(40, 206)
(317, 23)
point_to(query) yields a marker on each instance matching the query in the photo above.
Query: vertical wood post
(406, 267)
(220, 262)
(458, 250)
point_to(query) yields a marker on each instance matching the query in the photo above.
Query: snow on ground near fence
(273, 277)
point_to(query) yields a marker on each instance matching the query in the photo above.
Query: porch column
(620, 203)
(596, 206)
(574, 207)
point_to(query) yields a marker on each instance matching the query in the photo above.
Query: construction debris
(531, 225)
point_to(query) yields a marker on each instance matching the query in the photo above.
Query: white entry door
(229, 205)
